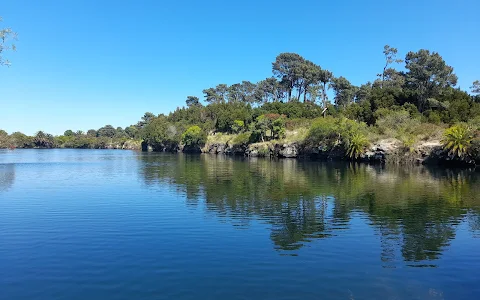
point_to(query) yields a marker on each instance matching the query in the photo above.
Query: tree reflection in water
(7, 176)
(415, 211)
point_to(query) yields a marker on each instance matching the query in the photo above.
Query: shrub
(274, 124)
(292, 124)
(356, 144)
(408, 141)
(323, 130)
(458, 139)
(434, 117)
(194, 136)
(238, 126)
(391, 122)
(242, 139)
(331, 132)
(475, 123)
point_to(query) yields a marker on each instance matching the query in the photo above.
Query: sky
(87, 63)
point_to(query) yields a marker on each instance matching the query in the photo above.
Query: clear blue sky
(86, 63)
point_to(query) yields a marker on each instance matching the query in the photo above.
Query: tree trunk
(324, 98)
(383, 76)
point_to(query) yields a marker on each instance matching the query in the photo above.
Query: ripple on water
(128, 225)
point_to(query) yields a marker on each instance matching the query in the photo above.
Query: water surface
(113, 224)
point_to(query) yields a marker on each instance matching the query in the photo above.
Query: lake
(113, 224)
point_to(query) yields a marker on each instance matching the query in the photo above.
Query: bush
(194, 136)
(238, 126)
(160, 134)
(292, 124)
(434, 117)
(458, 140)
(323, 130)
(268, 127)
(356, 144)
(242, 139)
(475, 123)
(331, 132)
(390, 121)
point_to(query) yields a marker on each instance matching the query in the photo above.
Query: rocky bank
(383, 151)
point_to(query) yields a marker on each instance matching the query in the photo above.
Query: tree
(7, 36)
(192, 101)
(476, 87)
(287, 67)
(92, 133)
(325, 77)
(161, 134)
(131, 131)
(363, 92)
(68, 133)
(390, 57)
(147, 118)
(427, 75)
(216, 95)
(21, 140)
(194, 137)
(344, 91)
(43, 140)
(120, 133)
(235, 93)
(222, 91)
(247, 90)
(211, 95)
(106, 131)
(274, 123)
(238, 126)
(242, 92)
(309, 76)
(268, 90)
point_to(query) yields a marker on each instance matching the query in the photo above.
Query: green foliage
(324, 131)
(238, 126)
(161, 134)
(427, 75)
(287, 67)
(410, 106)
(344, 91)
(475, 88)
(21, 140)
(224, 114)
(268, 127)
(348, 135)
(194, 137)
(434, 117)
(391, 122)
(458, 139)
(106, 131)
(43, 140)
(242, 139)
(408, 141)
(92, 133)
(290, 110)
(131, 131)
(192, 101)
(69, 133)
(356, 143)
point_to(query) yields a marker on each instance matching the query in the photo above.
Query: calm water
(87, 224)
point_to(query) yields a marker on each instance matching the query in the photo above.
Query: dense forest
(304, 103)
